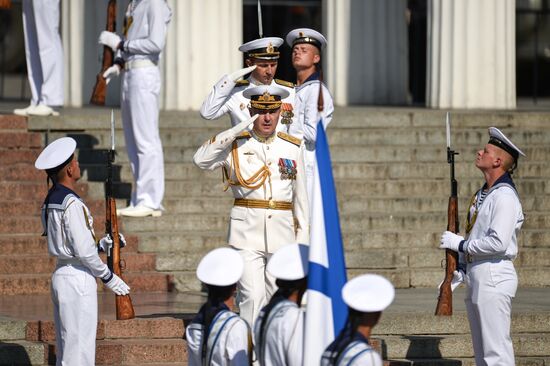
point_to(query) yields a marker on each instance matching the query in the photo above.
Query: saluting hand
(237, 75)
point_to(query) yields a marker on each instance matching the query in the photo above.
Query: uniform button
(268, 163)
(267, 147)
(269, 217)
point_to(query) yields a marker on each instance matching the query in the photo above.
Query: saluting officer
(265, 171)
(138, 53)
(366, 296)
(68, 227)
(495, 217)
(217, 336)
(307, 45)
(262, 57)
(279, 330)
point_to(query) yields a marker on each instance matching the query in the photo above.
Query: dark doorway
(418, 43)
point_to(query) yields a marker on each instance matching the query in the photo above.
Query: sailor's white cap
(368, 293)
(263, 48)
(56, 153)
(306, 35)
(266, 96)
(220, 267)
(290, 262)
(497, 138)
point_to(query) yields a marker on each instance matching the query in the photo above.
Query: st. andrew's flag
(326, 311)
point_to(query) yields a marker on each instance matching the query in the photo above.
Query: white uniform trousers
(491, 286)
(256, 285)
(140, 119)
(74, 296)
(44, 51)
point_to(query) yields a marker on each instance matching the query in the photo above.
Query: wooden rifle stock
(124, 307)
(100, 88)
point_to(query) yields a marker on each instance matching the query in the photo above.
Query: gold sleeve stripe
(293, 140)
(288, 84)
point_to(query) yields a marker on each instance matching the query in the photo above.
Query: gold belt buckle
(272, 204)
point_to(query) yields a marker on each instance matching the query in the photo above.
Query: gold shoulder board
(293, 140)
(244, 135)
(288, 84)
(242, 83)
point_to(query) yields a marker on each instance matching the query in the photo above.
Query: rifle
(100, 88)
(124, 308)
(445, 300)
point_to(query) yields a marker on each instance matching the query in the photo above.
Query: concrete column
(366, 58)
(471, 54)
(72, 34)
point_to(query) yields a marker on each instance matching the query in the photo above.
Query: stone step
(37, 264)
(21, 172)
(33, 225)
(35, 191)
(18, 156)
(27, 284)
(23, 353)
(11, 330)
(451, 346)
(519, 361)
(414, 136)
(12, 122)
(11, 140)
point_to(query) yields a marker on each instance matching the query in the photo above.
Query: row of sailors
(218, 336)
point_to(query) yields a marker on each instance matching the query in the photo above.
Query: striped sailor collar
(58, 193)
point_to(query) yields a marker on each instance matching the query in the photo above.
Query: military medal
(287, 168)
(286, 113)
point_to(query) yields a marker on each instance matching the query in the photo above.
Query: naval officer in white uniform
(44, 54)
(265, 171)
(279, 330)
(366, 296)
(68, 226)
(487, 251)
(217, 336)
(262, 56)
(307, 45)
(138, 53)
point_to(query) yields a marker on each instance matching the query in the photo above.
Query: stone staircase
(392, 182)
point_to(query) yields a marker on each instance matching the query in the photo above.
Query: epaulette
(242, 82)
(244, 135)
(288, 84)
(293, 140)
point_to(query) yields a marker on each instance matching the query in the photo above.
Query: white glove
(106, 243)
(243, 125)
(109, 39)
(111, 72)
(450, 241)
(458, 278)
(118, 286)
(237, 75)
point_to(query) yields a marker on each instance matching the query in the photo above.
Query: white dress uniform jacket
(490, 248)
(147, 24)
(306, 119)
(68, 225)
(44, 51)
(227, 97)
(257, 232)
(227, 344)
(281, 342)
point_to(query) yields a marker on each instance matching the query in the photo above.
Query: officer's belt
(267, 204)
(480, 258)
(136, 64)
(68, 262)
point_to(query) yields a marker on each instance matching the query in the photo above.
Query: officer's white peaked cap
(497, 138)
(368, 293)
(290, 262)
(56, 153)
(220, 267)
(263, 48)
(261, 90)
(306, 35)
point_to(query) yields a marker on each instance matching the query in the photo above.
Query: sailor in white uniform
(488, 250)
(279, 330)
(217, 336)
(366, 296)
(138, 53)
(264, 169)
(262, 56)
(307, 45)
(44, 53)
(68, 226)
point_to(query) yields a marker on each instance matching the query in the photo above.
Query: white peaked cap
(497, 138)
(368, 293)
(56, 153)
(263, 48)
(220, 267)
(290, 262)
(306, 35)
(262, 90)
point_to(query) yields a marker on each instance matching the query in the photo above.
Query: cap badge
(270, 48)
(242, 106)
(301, 34)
